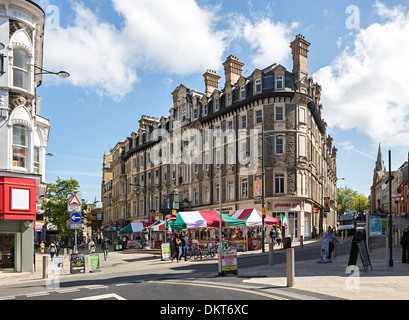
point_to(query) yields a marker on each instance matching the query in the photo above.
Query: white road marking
(103, 296)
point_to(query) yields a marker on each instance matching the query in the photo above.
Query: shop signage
(165, 246)
(229, 260)
(284, 205)
(94, 262)
(77, 263)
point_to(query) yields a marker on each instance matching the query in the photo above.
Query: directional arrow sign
(75, 217)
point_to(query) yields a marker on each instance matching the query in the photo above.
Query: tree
(56, 201)
(346, 197)
(360, 203)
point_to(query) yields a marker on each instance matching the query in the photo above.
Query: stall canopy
(131, 228)
(253, 218)
(204, 219)
(159, 226)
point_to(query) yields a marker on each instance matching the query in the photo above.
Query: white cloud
(93, 52)
(168, 36)
(269, 41)
(365, 87)
(176, 36)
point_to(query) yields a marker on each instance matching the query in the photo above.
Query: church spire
(379, 165)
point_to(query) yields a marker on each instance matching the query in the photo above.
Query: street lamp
(61, 74)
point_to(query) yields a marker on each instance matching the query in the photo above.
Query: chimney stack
(211, 81)
(299, 48)
(233, 68)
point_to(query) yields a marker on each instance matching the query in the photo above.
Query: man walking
(105, 247)
(185, 245)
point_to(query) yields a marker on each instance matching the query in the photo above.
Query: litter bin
(287, 242)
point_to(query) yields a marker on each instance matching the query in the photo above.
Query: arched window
(20, 69)
(20, 143)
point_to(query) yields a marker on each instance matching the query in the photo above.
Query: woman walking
(177, 247)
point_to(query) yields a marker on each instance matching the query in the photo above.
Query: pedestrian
(273, 235)
(53, 249)
(331, 237)
(105, 247)
(185, 244)
(91, 246)
(177, 247)
(404, 241)
(42, 246)
(278, 236)
(57, 247)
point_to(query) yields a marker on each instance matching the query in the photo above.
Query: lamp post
(220, 220)
(390, 213)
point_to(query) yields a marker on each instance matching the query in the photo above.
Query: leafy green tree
(360, 203)
(346, 198)
(55, 204)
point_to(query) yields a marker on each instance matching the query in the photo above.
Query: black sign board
(359, 246)
(77, 263)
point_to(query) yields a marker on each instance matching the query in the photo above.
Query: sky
(126, 57)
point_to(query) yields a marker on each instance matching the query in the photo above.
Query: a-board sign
(359, 246)
(165, 246)
(229, 261)
(94, 262)
(77, 263)
(58, 263)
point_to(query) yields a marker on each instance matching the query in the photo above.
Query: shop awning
(203, 219)
(132, 228)
(253, 218)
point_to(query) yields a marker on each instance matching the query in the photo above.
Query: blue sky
(127, 56)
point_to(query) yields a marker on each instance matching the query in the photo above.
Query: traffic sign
(74, 204)
(75, 217)
(173, 218)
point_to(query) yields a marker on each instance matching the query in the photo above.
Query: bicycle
(195, 252)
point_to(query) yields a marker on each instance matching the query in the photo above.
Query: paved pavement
(333, 279)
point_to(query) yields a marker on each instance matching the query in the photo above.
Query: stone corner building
(299, 158)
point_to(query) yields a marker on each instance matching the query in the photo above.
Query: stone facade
(299, 158)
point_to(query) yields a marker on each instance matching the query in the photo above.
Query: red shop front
(18, 209)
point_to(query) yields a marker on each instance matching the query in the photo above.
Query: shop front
(298, 214)
(18, 209)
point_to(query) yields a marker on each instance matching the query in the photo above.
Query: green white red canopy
(253, 218)
(203, 219)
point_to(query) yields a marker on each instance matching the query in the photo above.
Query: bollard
(342, 235)
(45, 266)
(290, 267)
(270, 254)
(302, 242)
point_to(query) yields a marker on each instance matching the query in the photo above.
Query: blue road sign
(75, 217)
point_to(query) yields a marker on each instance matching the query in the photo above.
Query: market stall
(253, 219)
(203, 219)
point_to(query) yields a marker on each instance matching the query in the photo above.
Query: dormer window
(279, 82)
(229, 98)
(205, 110)
(216, 104)
(242, 92)
(257, 86)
